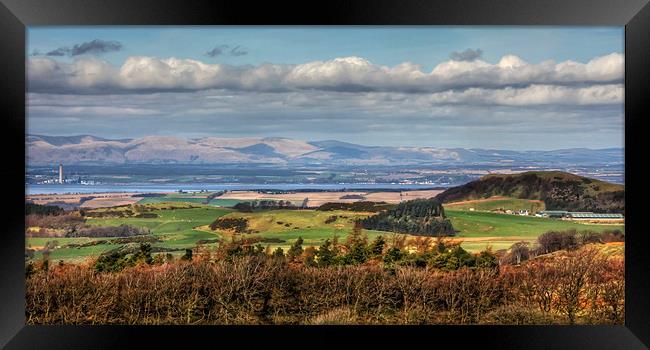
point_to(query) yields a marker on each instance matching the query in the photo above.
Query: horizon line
(328, 140)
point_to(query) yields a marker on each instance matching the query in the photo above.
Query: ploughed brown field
(100, 200)
(105, 200)
(319, 198)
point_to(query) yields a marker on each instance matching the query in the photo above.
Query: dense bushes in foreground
(553, 241)
(244, 284)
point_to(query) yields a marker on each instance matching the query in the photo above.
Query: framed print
(368, 172)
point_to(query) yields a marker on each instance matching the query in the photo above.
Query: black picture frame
(16, 15)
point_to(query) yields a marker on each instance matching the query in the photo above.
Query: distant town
(61, 179)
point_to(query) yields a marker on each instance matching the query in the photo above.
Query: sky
(523, 88)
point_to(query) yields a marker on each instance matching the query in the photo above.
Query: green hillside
(558, 191)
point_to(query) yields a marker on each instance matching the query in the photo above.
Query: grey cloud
(329, 112)
(218, 50)
(61, 51)
(236, 50)
(96, 46)
(467, 55)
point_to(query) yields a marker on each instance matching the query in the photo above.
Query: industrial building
(61, 173)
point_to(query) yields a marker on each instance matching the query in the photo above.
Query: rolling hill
(558, 191)
(91, 150)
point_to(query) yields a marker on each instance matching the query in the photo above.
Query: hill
(558, 191)
(88, 149)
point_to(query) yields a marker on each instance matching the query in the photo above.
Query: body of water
(148, 187)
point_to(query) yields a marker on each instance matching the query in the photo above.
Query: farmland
(498, 203)
(288, 225)
(190, 198)
(500, 231)
(181, 223)
(174, 227)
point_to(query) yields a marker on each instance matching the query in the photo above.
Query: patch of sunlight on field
(184, 198)
(498, 203)
(478, 224)
(182, 227)
(77, 254)
(175, 228)
(288, 225)
(475, 247)
(276, 221)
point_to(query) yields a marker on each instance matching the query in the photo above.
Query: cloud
(534, 95)
(93, 110)
(61, 51)
(96, 46)
(352, 74)
(236, 50)
(378, 118)
(218, 50)
(467, 55)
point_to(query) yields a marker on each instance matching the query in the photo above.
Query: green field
(502, 230)
(308, 224)
(499, 203)
(191, 198)
(180, 224)
(152, 200)
(174, 227)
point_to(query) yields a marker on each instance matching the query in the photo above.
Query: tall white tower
(61, 173)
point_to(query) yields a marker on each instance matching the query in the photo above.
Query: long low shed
(595, 218)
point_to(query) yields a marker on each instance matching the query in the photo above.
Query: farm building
(582, 216)
(552, 213)
(594, 217)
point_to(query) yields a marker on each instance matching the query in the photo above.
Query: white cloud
(138, 73)
(368, 117)
(92, 110)
(534, 95)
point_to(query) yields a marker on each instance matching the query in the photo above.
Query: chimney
(61, 173)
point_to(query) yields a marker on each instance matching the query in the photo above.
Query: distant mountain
(558, 190)
(88, 149)
(68, 140)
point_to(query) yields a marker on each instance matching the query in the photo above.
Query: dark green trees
(296, 250)
(424, 217)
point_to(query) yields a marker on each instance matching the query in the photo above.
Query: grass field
(497, 203)
(479, 229)
(175, 227)
(188, 198)
(180, 224)
(308, 224)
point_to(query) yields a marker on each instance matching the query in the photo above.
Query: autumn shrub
(240, 282)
